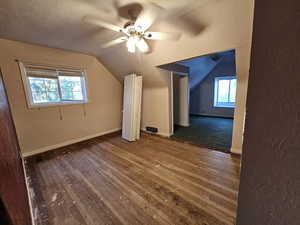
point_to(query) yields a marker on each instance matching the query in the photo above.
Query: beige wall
(156, 106)
(39, 129)
(228, 25)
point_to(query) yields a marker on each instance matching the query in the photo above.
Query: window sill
(56, 104)
(224, 106)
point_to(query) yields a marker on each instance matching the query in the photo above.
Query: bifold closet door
(128, 131)
(138, 106)
(132, 107)
(13, 191)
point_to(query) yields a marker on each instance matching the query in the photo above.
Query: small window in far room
(48, 86)
(225, 91)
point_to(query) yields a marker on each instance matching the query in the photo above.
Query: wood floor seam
(154, 181)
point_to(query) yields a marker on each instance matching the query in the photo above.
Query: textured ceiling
(58, 24)
(194, 62)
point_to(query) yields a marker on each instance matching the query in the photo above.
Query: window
(53, 86)
(225, 89)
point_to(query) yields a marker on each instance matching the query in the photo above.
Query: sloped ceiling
(200, 67)
(221, 25)
(58, 24)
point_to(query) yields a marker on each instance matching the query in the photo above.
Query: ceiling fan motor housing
(133, 30)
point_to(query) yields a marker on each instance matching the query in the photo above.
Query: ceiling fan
(135, 31)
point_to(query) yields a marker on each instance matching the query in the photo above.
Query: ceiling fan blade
(183, 15)
(143, 45)
(167, 4)
(99, 22)
(114, 42)
(162, 36)
(147, 17)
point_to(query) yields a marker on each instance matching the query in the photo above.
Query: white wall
(39, 129)
(181, 99)
(228, 25)
(202, 96)
(241, 94)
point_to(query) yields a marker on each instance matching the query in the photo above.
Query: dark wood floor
(156, 180)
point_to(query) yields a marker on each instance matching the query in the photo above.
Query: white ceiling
(58, 24)
(194, 62)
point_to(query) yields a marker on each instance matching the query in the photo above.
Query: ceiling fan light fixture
(131, 43)
(135, 32)
(142, 45)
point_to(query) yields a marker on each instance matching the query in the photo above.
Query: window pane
(232, 90)
(71, 88)
(223, 90)
(44, 89)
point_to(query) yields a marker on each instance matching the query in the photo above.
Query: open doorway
(204, 100)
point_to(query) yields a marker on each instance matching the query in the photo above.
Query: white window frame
(60, 71)
(216, 91)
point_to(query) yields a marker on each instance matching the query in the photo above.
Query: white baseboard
(65, 143)
(158, 133)
(236, 150)
(183, 124)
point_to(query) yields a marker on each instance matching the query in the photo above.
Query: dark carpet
(211, 132)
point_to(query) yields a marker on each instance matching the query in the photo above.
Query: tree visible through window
(53, 86)
(71, 89)
(44, 89)
(225, 91)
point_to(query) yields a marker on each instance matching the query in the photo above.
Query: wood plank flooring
(109, 181)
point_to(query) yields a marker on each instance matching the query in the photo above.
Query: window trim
(28, 92)
(216, 90)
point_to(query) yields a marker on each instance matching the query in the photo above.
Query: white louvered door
(132, 107)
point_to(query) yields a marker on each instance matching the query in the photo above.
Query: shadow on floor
(211, 132)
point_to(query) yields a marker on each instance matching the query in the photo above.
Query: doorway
(204, 100)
